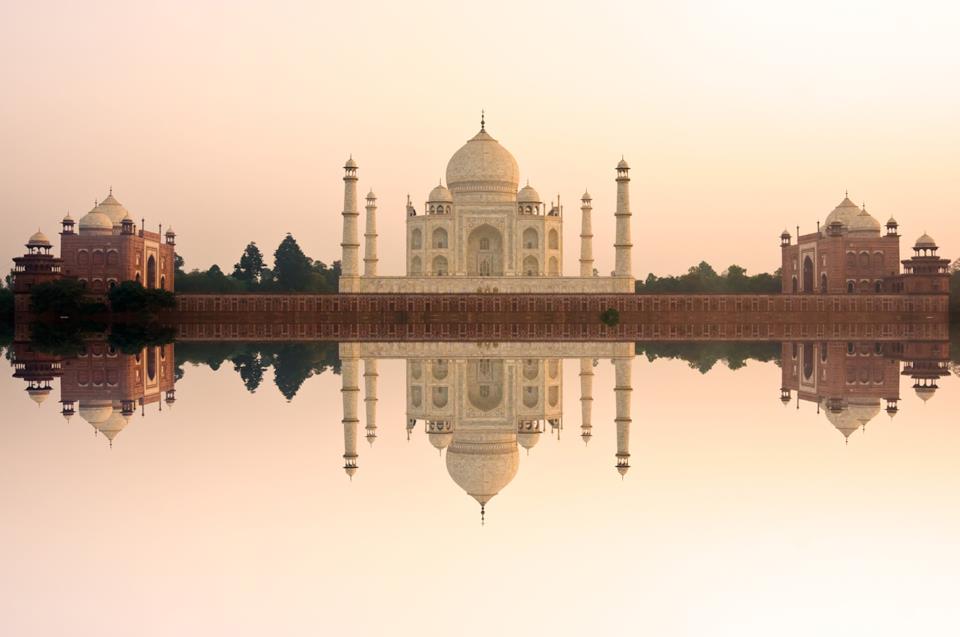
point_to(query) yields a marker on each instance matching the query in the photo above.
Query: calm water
(654, 488)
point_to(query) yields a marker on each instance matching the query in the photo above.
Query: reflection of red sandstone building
(107, 249)
(850, 255)
(852, 382)
(105, 387)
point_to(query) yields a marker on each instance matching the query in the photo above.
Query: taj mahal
(481, 232)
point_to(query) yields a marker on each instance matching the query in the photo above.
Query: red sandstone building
(850, 254)
(106, 249)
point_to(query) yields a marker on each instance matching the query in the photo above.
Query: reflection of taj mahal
(480, 233)
(481, 404)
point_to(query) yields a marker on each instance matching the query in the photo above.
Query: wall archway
(440, 266)
(151, 272)
(485, 381)
(553, 240)
(530, 266)
(485, 252)
(807, 275)
(439, 238)
(531, 240)
(416, 266)
(554, 268)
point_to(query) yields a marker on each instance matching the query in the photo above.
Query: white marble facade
(480, 233)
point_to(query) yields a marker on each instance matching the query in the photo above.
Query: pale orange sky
(230, 121)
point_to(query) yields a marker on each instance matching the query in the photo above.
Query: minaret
(586, 399)
(623, 391)
(350, 391)
(370, 399)
(623, 245)
(586, 236)
(350, 246)
(370, 237)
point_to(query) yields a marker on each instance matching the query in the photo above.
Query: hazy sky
(230, 121)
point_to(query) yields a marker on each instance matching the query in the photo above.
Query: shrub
(131, 296)
(610, 317)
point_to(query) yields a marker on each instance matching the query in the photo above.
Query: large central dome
(483, 165)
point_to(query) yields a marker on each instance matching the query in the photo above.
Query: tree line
(292, 363)
(292, 271)
(703, 279)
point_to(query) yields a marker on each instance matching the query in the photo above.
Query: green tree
(6, 304)
(250, 268)
(610, 317)
(131, 296)
(703, 279)
(292, 269)
(213, 280)
(64, 297)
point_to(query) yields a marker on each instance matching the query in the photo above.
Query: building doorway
(807, 275)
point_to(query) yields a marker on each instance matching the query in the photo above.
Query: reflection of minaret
(351, 392)
(370, 399)
(411, 423)
(586, 399)
(623, 391)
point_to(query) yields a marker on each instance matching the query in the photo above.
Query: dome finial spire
(482, 515)
(483, 120)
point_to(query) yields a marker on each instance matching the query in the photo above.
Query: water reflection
(852, 382)
(478, 404)
(102, 385)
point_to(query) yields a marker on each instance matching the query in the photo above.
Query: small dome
(925, 393)
(528, 439)
(370, 195)
(95, 221)
(483, 165)
(440, 194)
(925, 241)
(38, 239)
(528, 194)
(440, 440)
(892, 222)
(844, 213)
(170, 232)
(842, 419)
(586, 196)
(67, 218)
(865, 410)
(785, 234)
(623, 165)
(113, 209)
(864, 223)
(96, 412)
(38, 395)
(350, 163)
